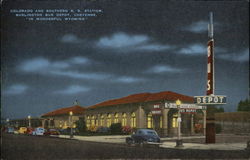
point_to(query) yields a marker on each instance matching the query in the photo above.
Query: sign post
(210, 99)
(179, 140)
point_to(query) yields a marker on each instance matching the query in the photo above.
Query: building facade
(25, 122)
(63, 118)
(148, 110)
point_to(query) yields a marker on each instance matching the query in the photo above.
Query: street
(40, 147)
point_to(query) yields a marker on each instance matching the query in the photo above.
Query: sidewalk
(168, 142)
(216, 146)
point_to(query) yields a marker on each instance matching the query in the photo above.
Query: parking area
(223, 142)
(45, 147)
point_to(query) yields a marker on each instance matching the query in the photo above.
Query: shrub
(197, 128)
(92, 128)
(126, 129)
(81, 125)
(116, 128)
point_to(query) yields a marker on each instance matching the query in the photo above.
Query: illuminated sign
(210, 100)
(185, 106)
(156, 106)
(156, 111)
(188, 110)
(210, 67)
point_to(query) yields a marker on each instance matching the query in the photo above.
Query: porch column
(128, 119)
(192, 124)
(204, 121)
(165, 121)
(141, 118)
(43, 123)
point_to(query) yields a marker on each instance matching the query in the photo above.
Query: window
(92, 120)
(151, 133)
(65, 125)
(108, 120)
(96, 121)
(102, 120)
(46, 124)
(52, 123)
(133, 120)
(88, 122)
(60, 124)
(116, 118)
(150, 120)
(124, 119)
(174, 121)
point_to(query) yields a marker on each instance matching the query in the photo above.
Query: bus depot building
(156, 111)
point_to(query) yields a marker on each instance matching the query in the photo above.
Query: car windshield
(151, 133)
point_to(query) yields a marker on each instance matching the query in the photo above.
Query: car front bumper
(154, 143)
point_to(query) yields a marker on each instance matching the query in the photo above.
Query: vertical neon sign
(210, 58)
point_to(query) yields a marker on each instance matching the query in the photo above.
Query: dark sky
(129, 47)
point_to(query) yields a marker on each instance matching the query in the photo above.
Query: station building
(63, 118)
(149, 110)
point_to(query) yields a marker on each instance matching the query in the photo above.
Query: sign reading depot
(210, 100)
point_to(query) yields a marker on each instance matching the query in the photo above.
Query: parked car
(22, 130)
(67, 131)
(29, 131)
(144, 137)
(10, 130)
(103, 129)
(51, 132)
(38, 131)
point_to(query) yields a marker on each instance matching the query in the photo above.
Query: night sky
(128, 48)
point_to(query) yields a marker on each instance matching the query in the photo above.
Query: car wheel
(142, 143)
(130, 142)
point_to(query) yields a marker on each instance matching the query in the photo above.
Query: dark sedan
(144, 136)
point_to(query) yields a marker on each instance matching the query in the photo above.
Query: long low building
(63, 118)
(149, 110)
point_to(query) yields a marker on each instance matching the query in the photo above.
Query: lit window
(88, 122)
(65, 125)
(92, 120)
(102, 120)
(133, 120)
(108, 120)
(150, 120)
(174, 121)
(96, 121)
(60, 124)
(116, 118)
(124, 119)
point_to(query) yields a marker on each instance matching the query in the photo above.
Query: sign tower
(210, 100)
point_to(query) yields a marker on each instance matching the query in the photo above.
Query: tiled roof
(169, 96)
(145, 97)
(65, 111)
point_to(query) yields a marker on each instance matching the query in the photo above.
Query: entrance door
(157, 123)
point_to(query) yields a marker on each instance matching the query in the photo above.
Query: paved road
(34, 147)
